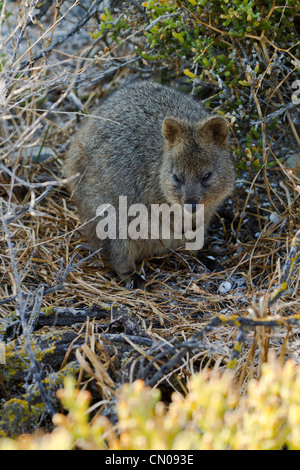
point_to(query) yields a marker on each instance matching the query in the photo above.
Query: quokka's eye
(206, 176)
(177, 179)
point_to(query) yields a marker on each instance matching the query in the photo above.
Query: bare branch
(91, 11)
(27, 207)
(34, 368)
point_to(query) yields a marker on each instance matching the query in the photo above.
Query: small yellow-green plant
(212, 415)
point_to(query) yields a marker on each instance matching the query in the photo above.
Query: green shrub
(246, 51)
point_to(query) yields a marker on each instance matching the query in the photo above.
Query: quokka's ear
(215, 128)
(171, 129)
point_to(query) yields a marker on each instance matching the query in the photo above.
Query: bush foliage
(245, 51)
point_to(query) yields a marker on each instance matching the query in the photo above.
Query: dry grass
(39, 114)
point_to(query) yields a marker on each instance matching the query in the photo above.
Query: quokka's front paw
(135, 281)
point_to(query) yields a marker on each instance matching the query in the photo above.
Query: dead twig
(27, 207)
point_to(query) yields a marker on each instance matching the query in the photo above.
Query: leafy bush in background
(245, 51)
(211, 416)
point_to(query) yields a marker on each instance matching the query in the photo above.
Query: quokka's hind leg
(123, 258)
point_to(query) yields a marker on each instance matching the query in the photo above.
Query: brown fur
(143, 137)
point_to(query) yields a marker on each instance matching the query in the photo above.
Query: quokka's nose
(191, 205)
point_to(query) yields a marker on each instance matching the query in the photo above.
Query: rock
(225, 287)
(293, 162)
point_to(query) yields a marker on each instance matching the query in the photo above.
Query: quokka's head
(197, 166)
